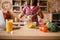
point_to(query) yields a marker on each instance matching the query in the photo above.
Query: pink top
(28, 11)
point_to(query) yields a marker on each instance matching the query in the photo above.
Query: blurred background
(48, 8)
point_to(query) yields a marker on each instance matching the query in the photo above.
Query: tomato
(43, 29)
(43, 23)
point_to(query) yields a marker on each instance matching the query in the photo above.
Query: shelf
(23, 2)
(43, 3)
(44, 11)
(42, 6)
(19, 4)
(42, 0)
(16, 11)
(16, 6)
(16, 0)
(55, 20)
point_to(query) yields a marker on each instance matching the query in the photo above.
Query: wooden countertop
(25, 33)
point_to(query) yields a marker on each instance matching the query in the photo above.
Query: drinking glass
(9, 25)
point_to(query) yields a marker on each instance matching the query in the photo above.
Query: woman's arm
(40, 14)
(21, 14)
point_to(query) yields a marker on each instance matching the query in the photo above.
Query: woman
(32, 9)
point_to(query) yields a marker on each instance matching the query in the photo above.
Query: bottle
(16, 19)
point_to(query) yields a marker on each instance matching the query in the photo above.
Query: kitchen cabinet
(43, 4)
(18, 5)
(56, 18)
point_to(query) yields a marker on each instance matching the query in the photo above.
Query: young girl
(32, 9)
(7, 15)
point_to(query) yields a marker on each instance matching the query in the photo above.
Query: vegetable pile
(48, 26)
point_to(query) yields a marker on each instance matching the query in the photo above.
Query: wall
(51, 8)
(55, 4)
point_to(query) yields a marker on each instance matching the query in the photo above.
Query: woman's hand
(40, 14)
(21, 14)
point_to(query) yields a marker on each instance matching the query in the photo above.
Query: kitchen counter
(25, 33)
